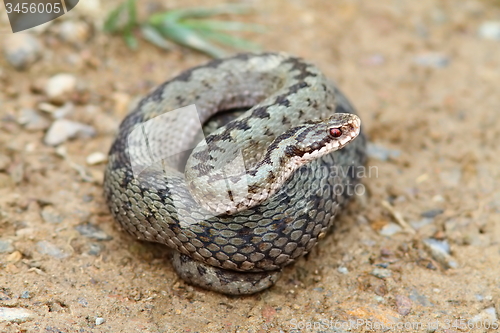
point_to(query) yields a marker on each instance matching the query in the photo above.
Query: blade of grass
(111, 22)
(130, 39)
(190, 38)
(132, 12)
(178, 14)
(155, 37)
(221, 25)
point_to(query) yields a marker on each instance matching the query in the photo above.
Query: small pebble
(381, 153)
(96, 158)
(421, 223)
(440, 251)
(381, 273)
(95, 249)
(82, 301)
(438, 198)
(74, 32)
(490, 30)
(60, 86)
(488, 315)
(390, 229)
(63, 111)
(432, 213)
(92, 231)
(32, 120)
(99, 321)
(62, 129)
(25, 295)
(342, 270)
(15, 315)
(14, 257)
(121, 103)
(50, 215)
(47, 107)
(403, 305)
(91, 8)
(6, 246)
(415, 296)
(45, 247)
(435, 60)
(21, 50)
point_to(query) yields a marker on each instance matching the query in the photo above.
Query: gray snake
(258, 192)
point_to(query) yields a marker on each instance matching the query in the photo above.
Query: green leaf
(191, 39)
(132, 12)
(154, 37)
(111, 22)
(130, 40)
(221, 25)
(178, 14)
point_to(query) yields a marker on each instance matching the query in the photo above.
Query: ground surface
(426, 86)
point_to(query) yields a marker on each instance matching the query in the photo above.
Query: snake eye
(335, 132)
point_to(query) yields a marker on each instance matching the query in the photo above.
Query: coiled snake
(256, 193)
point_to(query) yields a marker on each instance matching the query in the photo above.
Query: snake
(239, 166)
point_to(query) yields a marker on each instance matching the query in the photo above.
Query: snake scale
(253, 195)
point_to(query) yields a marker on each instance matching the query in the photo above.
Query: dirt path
(426, 86)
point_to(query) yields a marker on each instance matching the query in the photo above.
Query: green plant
(189, 27)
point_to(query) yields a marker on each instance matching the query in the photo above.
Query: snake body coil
(256, 193)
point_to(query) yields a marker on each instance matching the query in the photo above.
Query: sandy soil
(426, 86)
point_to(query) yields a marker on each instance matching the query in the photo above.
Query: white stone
(96, 158)
(74, 32)
(63, 129)
(15, 315)
(60, 86)
(490, 30)
(21, 50)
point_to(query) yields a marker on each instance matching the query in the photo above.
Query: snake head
(318, 138)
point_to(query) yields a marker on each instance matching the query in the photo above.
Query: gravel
(62, 130)
(92, 231)
(21, 50)
(6, 246)
(381, 153)
(489, 30)
(32, 120)
(60, 86)
(15, 315)
(432, 213)
(440, 251)
(434, 60)
(381, 273)
(45, 247)
(50, 215)
(96, 158)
